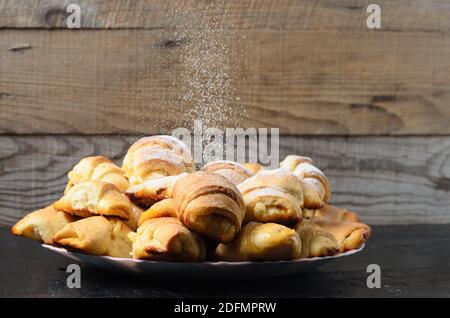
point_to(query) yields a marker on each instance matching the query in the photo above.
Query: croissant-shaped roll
(209, 204)
(171, 143)
(167, 239)
(155, 157)
(273, 196)
(316, 186)
(135, 216)
(316, 242)
(332, 213)
(233, 171)
(280, 178)
(164, 208)
(96, 235)
(94, 197)
(151, 191)
(254, 167)
(42, 224)
(349, 235)
(261, 242)
(98, 169)
(271, 204)
(292, 161)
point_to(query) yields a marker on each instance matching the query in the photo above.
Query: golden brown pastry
(261, 242)
(253, 167)
(151, 191)
(316, 186)
(332, 213)
(280, 178)
(167, 239)
(233, 171)
(349, 235)
(166, 142)
(273, 196)
(135, 216)
(292, 161)
(42, 224)
(316, 242)
(209, 204)
(96, 235)
(164, 208)
(98, 169)
(95, 197)
(271, 204)
(155, 157)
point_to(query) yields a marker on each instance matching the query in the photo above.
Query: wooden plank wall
(371, 106)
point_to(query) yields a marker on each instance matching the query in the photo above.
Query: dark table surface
(414, 261)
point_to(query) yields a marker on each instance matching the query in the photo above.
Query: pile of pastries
(158, 207)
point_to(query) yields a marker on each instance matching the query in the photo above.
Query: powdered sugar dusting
(208, 65)
(305, 170)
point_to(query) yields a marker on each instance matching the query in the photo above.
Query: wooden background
(370, 106)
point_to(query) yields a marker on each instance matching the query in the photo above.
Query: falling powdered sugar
(208, 61)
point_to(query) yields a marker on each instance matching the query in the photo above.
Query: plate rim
(64, 251)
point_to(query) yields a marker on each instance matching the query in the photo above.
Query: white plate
(235, 270)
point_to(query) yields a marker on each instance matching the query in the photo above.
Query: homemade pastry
(209, 204)
(261, 242)
(167, 239)
(332, 213)
(316, 242)
(155, 157)
(98, 169)
(135, 216)
(166, 142)
(96, 235)
(316, 186)
(253, 167)
(158, 208)
(273, 196)
(42, 224)
(164, 208)
(349, 235)
(95, 197)
(292, 161)
(233, 171)
(151, 191)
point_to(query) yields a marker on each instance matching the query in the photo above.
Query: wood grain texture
(404, 15)
(387, 180)
(304, 82)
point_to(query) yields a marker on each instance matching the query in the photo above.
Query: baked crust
(42, 224)
(233, 171)
(261, 242)
(95, 198)
(316, 242)
(155, 157)
(317, 190)
(210, 205)
(97, 168)
(273, 196)
(166, 238)
(332, 213)
(151, 191)
(96, 235)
